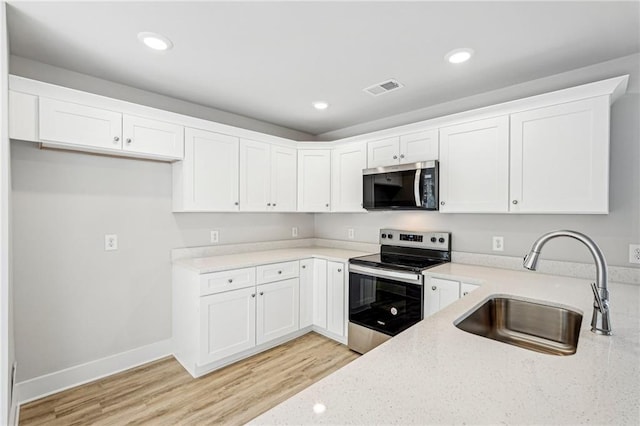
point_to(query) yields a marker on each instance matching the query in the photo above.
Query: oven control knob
(441, 240)
(390, 236)
(433, 239)
(394, 311)
(384, 235)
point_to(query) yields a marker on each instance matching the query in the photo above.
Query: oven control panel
(420, 239)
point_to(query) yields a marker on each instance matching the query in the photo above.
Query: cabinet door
(421, 146)
(209, 172)
(306, 292)
(283, 179)
(560, 158)
(154, 137)
(474, 167)
(347, 164)
(466, 288)
(320, 293)
(314, 180)
(227, 324)
(278, 310)
(441, 293)
(76, 124)
(255, 183)
(384, 152)
(336, 298)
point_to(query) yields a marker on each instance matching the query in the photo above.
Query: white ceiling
(270, 60)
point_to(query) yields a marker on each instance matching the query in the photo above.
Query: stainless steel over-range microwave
(402, 187)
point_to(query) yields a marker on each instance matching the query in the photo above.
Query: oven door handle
(405, 277)
(416, 188)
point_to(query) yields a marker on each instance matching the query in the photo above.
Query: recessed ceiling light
(155, 41)
(458, 56)
(320, 105)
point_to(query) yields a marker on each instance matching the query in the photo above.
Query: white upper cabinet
(385, 152)
(207, 178)
(560, 158)
(23, 116)
(75, 124)
(314, 180)
(146, 136)
(267, 177)
(283, 178)
(347, 163)
(410, 148)
(254, 176)
(78, 126)
(474, 166)
(421, 146)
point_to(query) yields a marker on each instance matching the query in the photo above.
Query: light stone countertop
(434, 373)
(204, 265)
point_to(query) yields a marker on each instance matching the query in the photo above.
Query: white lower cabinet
(330, 299)
(277, 310)
(440, 293)
(227, 324)
(466, 288)
(336, 297)
(306, 293)
(221, 317)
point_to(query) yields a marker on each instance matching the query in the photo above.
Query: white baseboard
(42, 386)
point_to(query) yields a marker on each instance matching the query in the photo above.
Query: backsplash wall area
(473, 232)
(74, 302)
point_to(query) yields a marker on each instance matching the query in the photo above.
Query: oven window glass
(383, 304)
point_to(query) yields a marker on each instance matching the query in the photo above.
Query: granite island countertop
(435, 373)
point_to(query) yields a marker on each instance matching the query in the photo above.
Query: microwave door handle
(416, 188)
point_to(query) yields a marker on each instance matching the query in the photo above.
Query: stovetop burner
(409, 251)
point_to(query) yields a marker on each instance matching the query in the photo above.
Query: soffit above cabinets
(271, 60)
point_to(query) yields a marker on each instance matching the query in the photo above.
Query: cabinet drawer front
(75, 124)
(219, 282)
(277, 272)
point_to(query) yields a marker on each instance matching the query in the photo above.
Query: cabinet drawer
(277, 272)
(219, 282)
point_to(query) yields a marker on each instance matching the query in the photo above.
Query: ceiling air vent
(384, 87)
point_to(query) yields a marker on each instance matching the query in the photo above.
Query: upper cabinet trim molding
(614, 87)
(39, 88)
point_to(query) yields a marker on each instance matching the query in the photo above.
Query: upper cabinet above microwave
(410, 148)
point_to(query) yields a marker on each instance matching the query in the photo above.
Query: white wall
(473, 232)
(75, 302)
(7, 354)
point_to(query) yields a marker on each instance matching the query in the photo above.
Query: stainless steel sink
(532, 325)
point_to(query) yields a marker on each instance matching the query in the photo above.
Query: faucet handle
(598, 300)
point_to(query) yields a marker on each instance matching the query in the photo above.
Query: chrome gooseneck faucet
(600, 323)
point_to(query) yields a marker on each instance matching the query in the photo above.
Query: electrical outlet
(634, 253)
(215, 236)
(294, 231)
(110, 242)
(498, 243)
(350, 233)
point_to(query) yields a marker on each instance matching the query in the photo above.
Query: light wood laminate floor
(163, 393)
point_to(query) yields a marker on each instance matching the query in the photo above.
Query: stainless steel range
(386, 292)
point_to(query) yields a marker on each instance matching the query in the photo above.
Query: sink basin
(529, 324)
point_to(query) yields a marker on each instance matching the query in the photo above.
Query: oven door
(385, 301)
